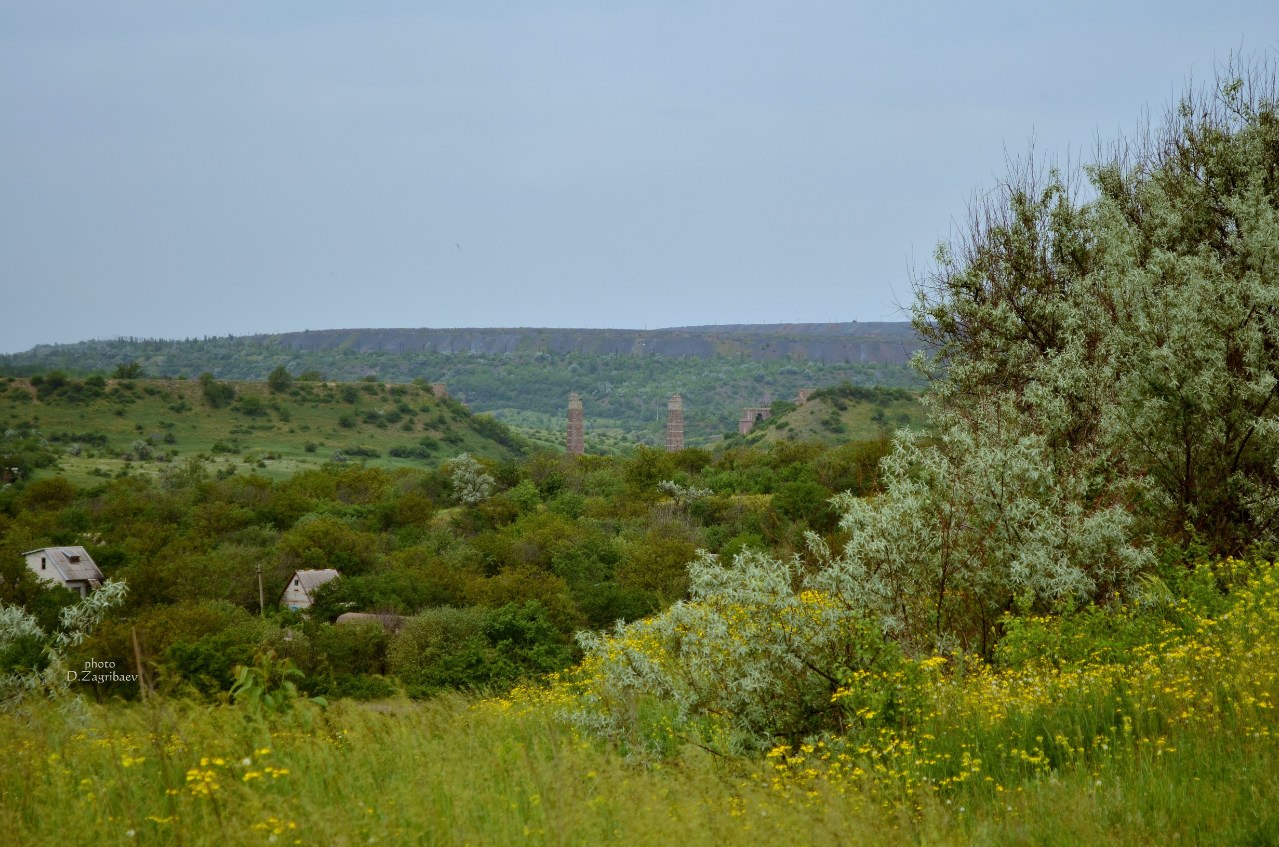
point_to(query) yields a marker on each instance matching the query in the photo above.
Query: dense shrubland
(501, 561)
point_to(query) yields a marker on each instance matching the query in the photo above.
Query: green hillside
(99, 428)
(838, 415)
(625, 394)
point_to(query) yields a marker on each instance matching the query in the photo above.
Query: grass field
(1172, 739)
(146, 425)
(834, 419)
(143, 426)
(444, 773)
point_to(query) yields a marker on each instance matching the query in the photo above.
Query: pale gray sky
(186, 169)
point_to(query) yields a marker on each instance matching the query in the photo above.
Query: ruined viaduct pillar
(752, 415)
(675, 423)
(576, 445)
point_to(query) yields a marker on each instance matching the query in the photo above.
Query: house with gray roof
(301, 586)
(71, 567)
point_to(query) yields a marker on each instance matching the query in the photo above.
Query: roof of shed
(61, 558)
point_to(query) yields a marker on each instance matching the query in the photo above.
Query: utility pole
(261, 596)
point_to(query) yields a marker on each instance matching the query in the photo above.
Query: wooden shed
(298, 593)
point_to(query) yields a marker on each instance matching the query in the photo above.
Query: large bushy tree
(1137, 332)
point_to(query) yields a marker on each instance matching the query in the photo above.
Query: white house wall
(295, 597)
(48, 574)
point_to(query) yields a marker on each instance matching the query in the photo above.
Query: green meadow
(143, 426)
(839, 414)
(1176, 744)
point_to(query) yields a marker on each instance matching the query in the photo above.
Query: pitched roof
(311, 580)
(74, 563)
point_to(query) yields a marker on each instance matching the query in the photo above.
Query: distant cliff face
(869, 343)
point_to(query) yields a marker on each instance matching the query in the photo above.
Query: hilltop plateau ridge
(831, 343)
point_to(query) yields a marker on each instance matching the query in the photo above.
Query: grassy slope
(549, 432)
(273, 441)
(1150, 727)
(833, 420)
(625, 395)
(825, 419)
(440, 773)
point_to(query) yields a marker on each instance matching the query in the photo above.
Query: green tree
(441, 648)
(216, 394)
(969, 526)
(279, 380)
(324, 541)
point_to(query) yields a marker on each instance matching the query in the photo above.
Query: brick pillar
(576, 445)
(675, 423)
(752, 415)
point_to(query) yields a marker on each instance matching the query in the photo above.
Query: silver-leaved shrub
(49, 675)
(752, 655)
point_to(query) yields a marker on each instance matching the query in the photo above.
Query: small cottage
(70, 567)
(298, 592)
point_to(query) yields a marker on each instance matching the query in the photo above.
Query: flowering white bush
(471, 485)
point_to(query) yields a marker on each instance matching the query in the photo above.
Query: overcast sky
(186, 169)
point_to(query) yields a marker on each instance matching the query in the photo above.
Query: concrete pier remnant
(675, 423)
(752, 415)
(801, 396)
(576, 444)
(439, 390)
